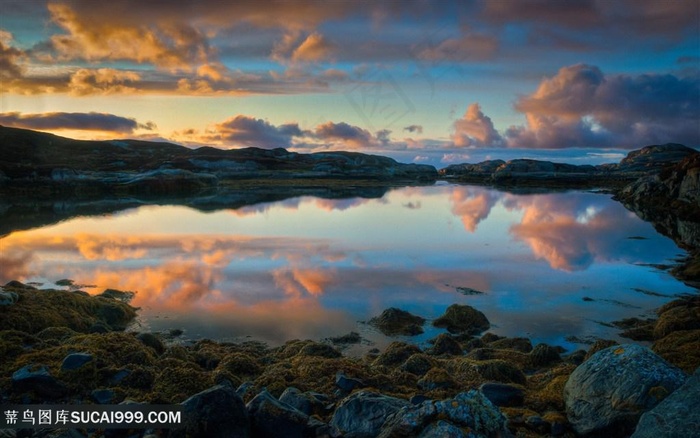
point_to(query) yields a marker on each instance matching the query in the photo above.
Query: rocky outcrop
(215, 412)
(362, 414)
(393, 322)
(643, 162)
(607, 394)
(460, 318)
(43, 164)
(676, 416)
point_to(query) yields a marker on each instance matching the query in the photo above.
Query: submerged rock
(393, 322)
(610, 391)
(460, 318)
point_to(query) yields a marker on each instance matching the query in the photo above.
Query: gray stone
(271, 417)
(470, 410)
(309, 403)
(608, 393)
(443, 429)
(75, 361)
(346, 383)
(677, 416)
(363, 413)
(215, 412)
(39, 380)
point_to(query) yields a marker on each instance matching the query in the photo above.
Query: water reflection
(311, 268)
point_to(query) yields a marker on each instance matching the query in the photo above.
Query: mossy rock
(543, 355)
(37, 310)
(418, 364)
(56, 334)
(318, 373)
(522, 345)
(600, 344)
(681, 348)
(515, 358)
(278, 377)
(460, 318)
(116, 349)
(152, 340)
(241, 365)
(545, 390)
(395, 322)
(319, 350)
(444, 344)
(178, 352)
(14, 343)
(678, 315)
(500, 371)
(395, 354)
(436, 378)
(176, 383)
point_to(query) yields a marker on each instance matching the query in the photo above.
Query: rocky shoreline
(67, 347)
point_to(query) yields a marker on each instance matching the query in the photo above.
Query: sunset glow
(428, 82)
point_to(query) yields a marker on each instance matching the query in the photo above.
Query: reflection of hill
(21, 213)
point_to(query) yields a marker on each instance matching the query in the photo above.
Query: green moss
(241, 365)
(319, 350)
(500, 371)
(418, 364)
(396, 353)
(545, 390)
(681, 348)
(175, 384)
(37, 310)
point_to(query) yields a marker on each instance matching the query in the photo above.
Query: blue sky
(434, 82)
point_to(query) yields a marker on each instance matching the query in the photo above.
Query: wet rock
(610, 391)
(543, 355)
(677, 416)
(75, 361)
(310, 403)
(39, 380)
(444, 344)
(215, 412)
(501, 394)
(348, 339)
(346, 383)
(363, 413)
(460, 318)
(271, 417)
(394, 322)
(244, 389)
(471, 411)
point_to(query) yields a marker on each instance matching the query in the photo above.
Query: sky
(426, 82)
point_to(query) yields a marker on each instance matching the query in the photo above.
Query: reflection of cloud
(473, 205)
(572, 232)
(14, 265)
(295, 281)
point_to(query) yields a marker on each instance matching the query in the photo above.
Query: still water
(309, 267)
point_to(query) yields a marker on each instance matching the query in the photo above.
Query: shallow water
(309, 267)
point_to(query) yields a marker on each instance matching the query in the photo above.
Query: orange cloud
(475, 129)
(313, 49)
(102, 81)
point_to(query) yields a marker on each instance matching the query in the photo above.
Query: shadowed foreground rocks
(460, 385)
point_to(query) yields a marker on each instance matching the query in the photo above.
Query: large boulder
(215, 412)
(677, 416)
(39, 380)
(608, 393)
(459, 318)
(362, 414)
(467, 411)
(270, 417)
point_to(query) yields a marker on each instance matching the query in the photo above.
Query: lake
(550, 266)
